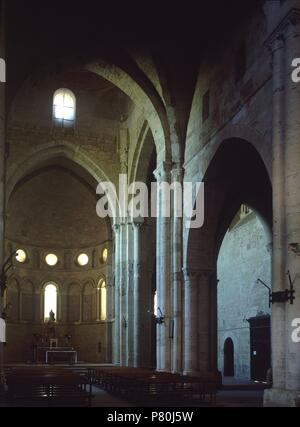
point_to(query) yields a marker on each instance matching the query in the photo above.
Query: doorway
(229, 358)
(260, 344)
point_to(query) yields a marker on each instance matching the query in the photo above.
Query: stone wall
(54, 211)
(244, 257)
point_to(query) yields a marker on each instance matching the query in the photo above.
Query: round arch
(72, 159)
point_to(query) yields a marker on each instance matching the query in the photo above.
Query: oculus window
(21, 256)
(51, 260)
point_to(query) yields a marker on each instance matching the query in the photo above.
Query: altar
(51, 355)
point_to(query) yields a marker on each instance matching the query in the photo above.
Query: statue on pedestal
(51, 317)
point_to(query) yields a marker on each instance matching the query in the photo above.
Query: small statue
(51, 317)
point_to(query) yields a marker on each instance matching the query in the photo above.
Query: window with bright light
(21, 256)
(83, 260)
(155, 305)
(103, 301)
(50, 301)
(64, 106)
(5, 298)
(51, 260)
(104, 256)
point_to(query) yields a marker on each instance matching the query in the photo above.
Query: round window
(21, 256)
(83, 260)
(104, 256)
(51, 260)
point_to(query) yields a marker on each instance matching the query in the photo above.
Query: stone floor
(224, 399)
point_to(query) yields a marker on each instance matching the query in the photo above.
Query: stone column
(137, 294)
(200, 322)
(213, 296)
(117, 295)
(129, 294)
(285, 42)
(123, 292)
(191, 356)
(163, 251)
(206, 321)
(2, 176)
(278, 311)
(292, 198)
(177, 276)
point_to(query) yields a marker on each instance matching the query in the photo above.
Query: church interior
(123, 310)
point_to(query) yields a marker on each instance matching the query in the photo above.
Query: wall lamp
(283, 296)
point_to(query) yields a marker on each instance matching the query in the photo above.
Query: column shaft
(116, 334)
(190, 323)
(292, 197)
(137, 296)
(177, 179)
(278, 311)
(163, 270)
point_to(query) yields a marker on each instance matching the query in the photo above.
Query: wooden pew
(146, 385)
(48, 387)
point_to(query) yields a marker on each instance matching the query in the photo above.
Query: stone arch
(241, 132)
(47, 154)
(208, 155)
(142, 156)
(145, 97)
(229, 182)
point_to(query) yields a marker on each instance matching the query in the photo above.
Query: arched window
(103, 300)
(5, 301)
(64, 108)
(156, 314)
(50, 301)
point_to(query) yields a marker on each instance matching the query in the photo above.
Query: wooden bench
(149, 386)
(48, 387)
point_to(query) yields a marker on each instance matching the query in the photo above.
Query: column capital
(190, 273)
(162, 172)
(177, 172)
(137, 223)
(116, 228)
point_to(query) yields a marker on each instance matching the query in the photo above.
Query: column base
(281, 398)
